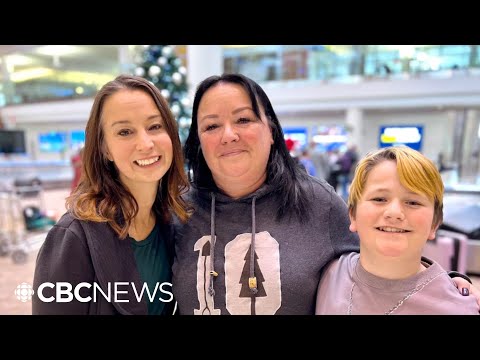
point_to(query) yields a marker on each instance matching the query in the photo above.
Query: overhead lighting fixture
(81, 77)
(58, 50)
(29, 74)
(18, 60)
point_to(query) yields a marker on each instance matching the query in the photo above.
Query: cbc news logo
(65, 292)
(24, 292)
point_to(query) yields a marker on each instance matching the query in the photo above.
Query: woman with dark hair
(275, 226)
(111, 253)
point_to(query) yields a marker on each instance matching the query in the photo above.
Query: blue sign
(77, 139)
(52, 141)
(409, 135)
(297, 134)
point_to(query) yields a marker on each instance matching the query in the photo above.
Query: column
(7, 92)
(355, 127)
(125, 60)
(202, 62)
(460, 117)
(471, 145)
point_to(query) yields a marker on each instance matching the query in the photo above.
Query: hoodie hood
(203, 196)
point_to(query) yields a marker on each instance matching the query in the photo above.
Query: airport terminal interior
(331, 100)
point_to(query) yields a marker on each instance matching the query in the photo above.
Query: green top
(155, 271)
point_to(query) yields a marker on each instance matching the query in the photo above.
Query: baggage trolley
(21, 217)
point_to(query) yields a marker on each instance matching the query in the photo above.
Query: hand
(462, 284)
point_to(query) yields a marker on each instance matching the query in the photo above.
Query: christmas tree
(160, 65)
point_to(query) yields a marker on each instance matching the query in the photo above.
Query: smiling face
(235, 143)
(136, 139)
(390, 219)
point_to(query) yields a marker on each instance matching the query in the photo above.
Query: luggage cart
(21, 217)
(11, 231)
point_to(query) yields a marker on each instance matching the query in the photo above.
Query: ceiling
(55, 59)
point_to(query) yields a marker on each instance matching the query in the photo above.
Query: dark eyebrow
(120, 122)
(241, 109)
(213, 116)
(209, 117)
(151, 117)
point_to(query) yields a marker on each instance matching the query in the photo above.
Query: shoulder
(320, 191)
(346, 262)
(198, 198)
(66, 238)
(317, 186)
(192, 195)
(70, 228)
(69, 223)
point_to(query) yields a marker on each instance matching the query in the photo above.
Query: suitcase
(449, 249)
(465, 219)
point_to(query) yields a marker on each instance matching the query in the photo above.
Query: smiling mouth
(390, 229)
(146, 162)
(233, 153)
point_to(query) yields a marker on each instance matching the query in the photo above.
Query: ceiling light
(58, 50)
(29, 74)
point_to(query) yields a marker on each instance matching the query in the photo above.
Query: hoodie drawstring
(213, 273)
(252, 280)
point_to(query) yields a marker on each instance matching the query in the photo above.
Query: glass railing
(349, 63)
(55, 72)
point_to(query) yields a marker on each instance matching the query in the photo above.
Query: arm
(63, 257)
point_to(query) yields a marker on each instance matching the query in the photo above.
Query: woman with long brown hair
(111, 253)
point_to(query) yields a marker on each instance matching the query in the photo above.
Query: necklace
(400, 303)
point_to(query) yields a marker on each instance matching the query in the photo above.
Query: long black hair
(283, 172)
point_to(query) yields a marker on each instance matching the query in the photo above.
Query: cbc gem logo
(24, 292)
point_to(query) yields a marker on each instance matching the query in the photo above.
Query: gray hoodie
(288, 255)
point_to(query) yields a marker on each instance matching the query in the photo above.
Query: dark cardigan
(85, 251)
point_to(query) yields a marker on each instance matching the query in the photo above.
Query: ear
(433, 232)
(353, 222)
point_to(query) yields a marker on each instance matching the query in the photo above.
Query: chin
(234, 171)
(392, 249)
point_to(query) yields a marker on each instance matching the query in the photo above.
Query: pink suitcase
(449, 249)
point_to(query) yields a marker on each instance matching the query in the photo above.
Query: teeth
(147, 161)
(391, 229)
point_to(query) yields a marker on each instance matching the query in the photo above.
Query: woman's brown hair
(100, 195)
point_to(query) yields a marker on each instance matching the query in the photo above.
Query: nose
(144, 142)
(229, 134)
(394, 211)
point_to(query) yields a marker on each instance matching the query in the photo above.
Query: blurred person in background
(307, 162)
(334, 166)
(347, 161)
(320, 161)
(118, 224)
(77, 165)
